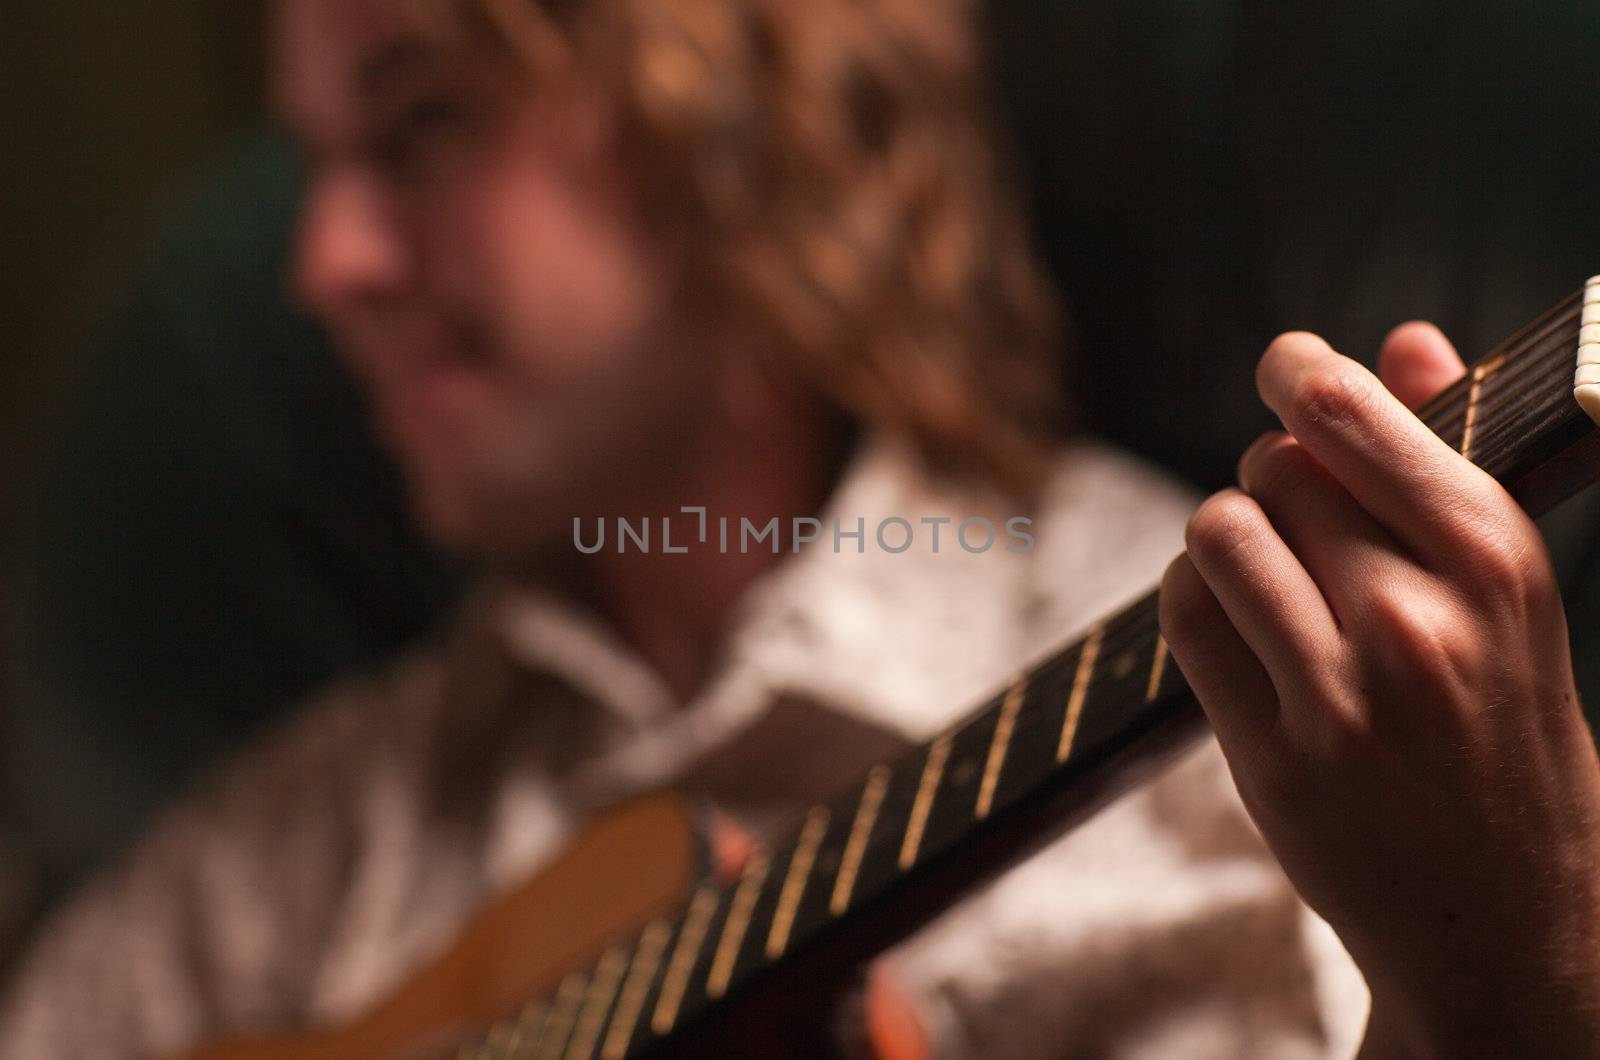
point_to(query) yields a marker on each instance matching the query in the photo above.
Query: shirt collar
(895, 638)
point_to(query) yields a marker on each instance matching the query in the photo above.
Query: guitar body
(633, 863)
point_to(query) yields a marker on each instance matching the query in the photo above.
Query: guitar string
(1447, 412)
(1514, 350)
(1499, 436)
(1535, 379)
(1134, 628)
(1448, 409)
(1504, 389)
(1135, 623)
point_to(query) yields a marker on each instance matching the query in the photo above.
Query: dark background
(208, 534)
(108, 112)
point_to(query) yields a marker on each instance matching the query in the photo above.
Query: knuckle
(1281, 470)
(1270, 783)
(1500, 568)
(1507, 567)
(1324, 682)
(1333, 398)
(1429, 640)
(1225, 523)
(1346, 743)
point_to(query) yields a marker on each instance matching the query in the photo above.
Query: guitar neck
(868, 868)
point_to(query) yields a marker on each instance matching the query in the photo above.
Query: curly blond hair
(832, 164)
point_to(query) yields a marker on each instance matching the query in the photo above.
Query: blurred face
(474, 249)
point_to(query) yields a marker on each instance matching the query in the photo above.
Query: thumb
(1416, 362)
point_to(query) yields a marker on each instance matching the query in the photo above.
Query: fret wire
(684, 957)
(860, 831)
(1119, 680)
(737, 922)
(1000, 745)
(1156, 668)
(1500, 392)
(927, 788)
(1133, 623)
(795, 880)
(1499, 380)
(1500, 449)
(502, 1039)
(546, 1023)
(1087, 658)
(1140, 625)
(597, 1003)
(1446, 411)
(1557, 345)
(1528, 366)
(1552, 385)
(1527, 376)
(553, 1036)
(1490, 394)
(1047, 693)
(1126, 627)
(636, 988)
(1137, 617)
(530, 1022)
(1137, 625)
(516, 1041)
(1474, 394)
(1442, 412)
(1529, 339)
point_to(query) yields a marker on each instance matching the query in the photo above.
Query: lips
(428, 397)
(424, 375)
(424, 391)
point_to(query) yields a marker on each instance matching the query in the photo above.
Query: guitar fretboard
(1066, 734)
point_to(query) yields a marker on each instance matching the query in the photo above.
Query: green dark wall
(103, 106)
(106, 109)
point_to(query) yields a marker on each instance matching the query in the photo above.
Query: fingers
(1416, 362)
(1344, 550)
(1230, 682)
(1265, 590)
(1419, 489)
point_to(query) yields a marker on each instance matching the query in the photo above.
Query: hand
(1373, 627)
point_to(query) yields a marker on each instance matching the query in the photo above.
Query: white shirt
(310, 876)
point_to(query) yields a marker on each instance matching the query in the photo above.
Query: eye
(405, 141)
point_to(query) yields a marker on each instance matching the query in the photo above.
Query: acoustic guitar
(626, 947)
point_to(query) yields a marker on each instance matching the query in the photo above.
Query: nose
(350, 252)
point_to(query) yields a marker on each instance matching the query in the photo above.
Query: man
(598, 261)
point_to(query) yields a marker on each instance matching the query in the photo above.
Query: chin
(480, 528)
(450, 526)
